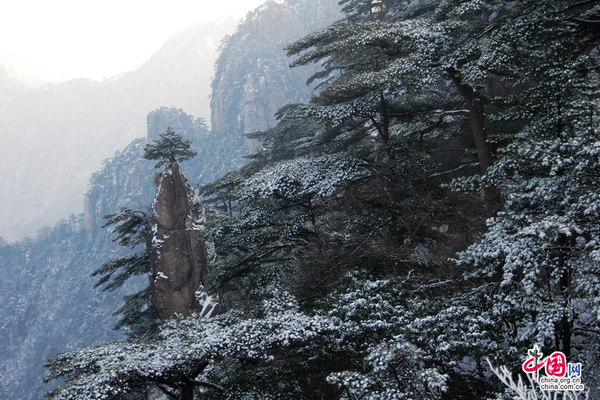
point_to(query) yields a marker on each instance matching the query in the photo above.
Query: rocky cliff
(47, 303)
(179, 262)
(56, 135)
(186, 125)
(126, 180)
(253, 79)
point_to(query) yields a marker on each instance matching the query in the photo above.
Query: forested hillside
(433, 208)
(49, 303)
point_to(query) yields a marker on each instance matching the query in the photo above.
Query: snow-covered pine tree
(329, 168)
(193, 357)
(132, 229)
(538, 265)
(398, 74)
(536, 66)
(535, 270)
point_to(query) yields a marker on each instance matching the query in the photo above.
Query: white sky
(92, 39)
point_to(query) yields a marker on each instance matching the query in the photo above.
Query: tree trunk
(564, 327)
(385, 120)
(186, 392)
(477, 119)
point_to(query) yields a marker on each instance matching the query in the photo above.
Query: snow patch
(160, 275)
(206, 302)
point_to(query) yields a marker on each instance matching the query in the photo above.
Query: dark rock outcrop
(179, 263)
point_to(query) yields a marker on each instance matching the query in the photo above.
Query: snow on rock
(174, 253)
(205, 302)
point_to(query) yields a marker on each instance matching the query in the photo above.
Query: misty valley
(369, 200)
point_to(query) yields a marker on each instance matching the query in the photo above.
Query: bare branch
(209, 385)
(585, 22)
(485, 31)
(436, 284)
(439, 121)
(581, 4)
(167, 392)
(454, 170)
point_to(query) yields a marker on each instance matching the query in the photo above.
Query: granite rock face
(183, 124)
(179, 263)
(253, 79)
(126, 180)
(56, 135)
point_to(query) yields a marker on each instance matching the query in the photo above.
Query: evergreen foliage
(396, 75)
(333, 241)
(185, 349)
(169, 148)
(540, 251)
(132, 229)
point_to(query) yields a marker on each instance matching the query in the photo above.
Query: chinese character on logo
(556, 364)
(531, 365)
(575, 369)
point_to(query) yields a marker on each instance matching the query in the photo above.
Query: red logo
(555, 363)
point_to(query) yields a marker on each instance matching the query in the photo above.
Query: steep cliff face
(126, 180)
(179, 263)
(253, 79)
(183, 124)
(56, 135)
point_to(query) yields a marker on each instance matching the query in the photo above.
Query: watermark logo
(550, 377)
(560, 375)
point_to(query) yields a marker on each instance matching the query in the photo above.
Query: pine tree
(539, 256)
(193, 353)
(133, 230)
(169, 148)
(396, 74)
(137, 314)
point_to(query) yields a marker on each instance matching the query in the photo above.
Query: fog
(99, 39)
(56, 130)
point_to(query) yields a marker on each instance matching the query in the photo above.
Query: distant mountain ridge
(28, 70)
(47, 300)
(53, 137)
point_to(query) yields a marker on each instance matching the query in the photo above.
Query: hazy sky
(85, 38)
